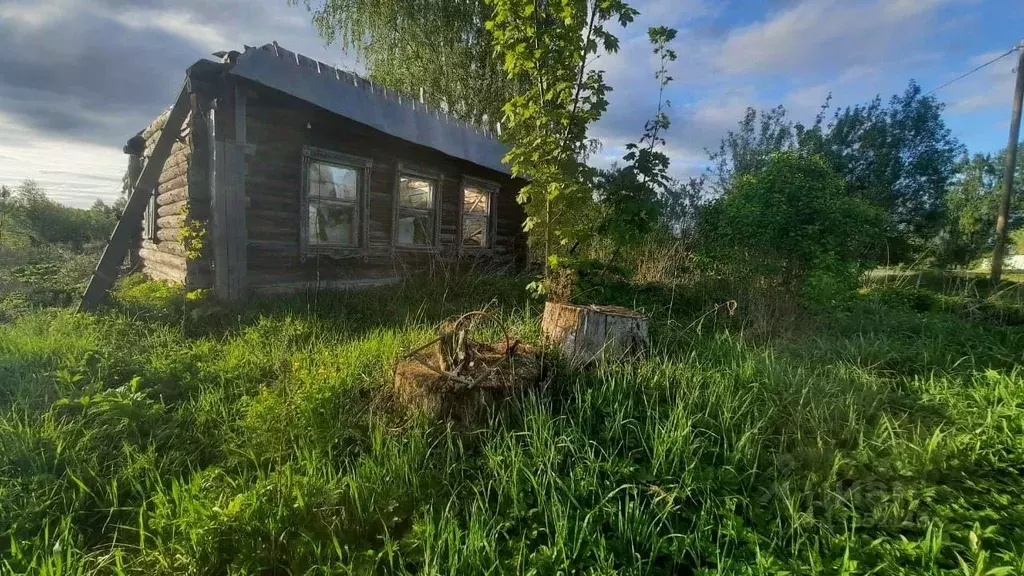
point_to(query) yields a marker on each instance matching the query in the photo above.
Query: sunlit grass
(871, 438)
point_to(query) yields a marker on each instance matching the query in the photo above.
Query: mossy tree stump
(587, 334)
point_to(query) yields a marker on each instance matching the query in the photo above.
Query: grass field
(879, 435)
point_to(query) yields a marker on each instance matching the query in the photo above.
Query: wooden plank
(218, 218)
(235, 221)
(117, 247)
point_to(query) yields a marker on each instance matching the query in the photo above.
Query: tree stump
(586, 334)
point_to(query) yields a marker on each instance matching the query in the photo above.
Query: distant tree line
(28, 215)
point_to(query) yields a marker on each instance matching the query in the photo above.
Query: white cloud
(32, 15)
(70, 171)
(63, 131)
(176, 23)
(990, 88)
(814, 35)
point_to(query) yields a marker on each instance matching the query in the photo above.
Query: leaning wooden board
(106, 272)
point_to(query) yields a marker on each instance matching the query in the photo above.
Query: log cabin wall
(278, 127)
(160, 251)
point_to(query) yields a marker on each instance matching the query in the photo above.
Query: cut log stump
(587, 334)
(495, 375)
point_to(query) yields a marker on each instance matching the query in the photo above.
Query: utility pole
(1008, 170)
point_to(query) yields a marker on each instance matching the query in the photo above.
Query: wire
(962, 76)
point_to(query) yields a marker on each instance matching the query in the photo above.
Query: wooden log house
(273, 172)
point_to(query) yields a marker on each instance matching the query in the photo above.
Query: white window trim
(405, 169)
(492, 189)
(364, 166)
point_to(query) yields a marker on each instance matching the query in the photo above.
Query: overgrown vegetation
(46, 250)
(802, 411)
(868, 437)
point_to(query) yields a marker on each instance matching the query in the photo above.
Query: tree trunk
(587, 334)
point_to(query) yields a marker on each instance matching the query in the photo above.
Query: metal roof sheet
(357, 99)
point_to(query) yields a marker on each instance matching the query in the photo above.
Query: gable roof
(355, 98)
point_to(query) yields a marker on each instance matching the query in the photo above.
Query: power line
(965, 75)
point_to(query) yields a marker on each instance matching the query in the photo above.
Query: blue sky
(77, 77)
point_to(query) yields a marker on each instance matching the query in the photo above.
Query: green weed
(874, 437)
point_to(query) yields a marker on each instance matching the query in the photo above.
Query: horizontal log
(180, 207)
(171, 172)
(272, 184)
(159, 271)
(167, 247)
(163, 258)
(152, 131)
(181, 144)
(169, 234)
(173, 196)
(176, 221)
(180, 181)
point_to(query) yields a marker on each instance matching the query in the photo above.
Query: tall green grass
(866, 438)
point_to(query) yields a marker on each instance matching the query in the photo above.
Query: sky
(78, 77)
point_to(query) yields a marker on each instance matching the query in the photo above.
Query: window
(333, 202)
(416, 212)
(149, 221)
(477, 207)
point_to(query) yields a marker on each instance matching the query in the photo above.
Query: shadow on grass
(351, 314)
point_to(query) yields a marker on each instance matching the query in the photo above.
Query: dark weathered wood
(237, 236)
(280, 127)
(228, 199)
(587, 334)
(117, 247)
(198, 203)
(218, 219)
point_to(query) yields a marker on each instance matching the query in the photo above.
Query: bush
(793, 221)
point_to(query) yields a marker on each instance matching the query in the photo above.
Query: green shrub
(792, 221)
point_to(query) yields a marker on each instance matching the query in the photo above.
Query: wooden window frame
(364, 167)
(406, 169)
(149, 228)
(492, 189)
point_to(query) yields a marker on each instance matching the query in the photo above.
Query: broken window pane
(475, 201)
(336, 182)
(333, 225)
(415, 229)
(474, 232)
(415, 192)
(476, 215)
